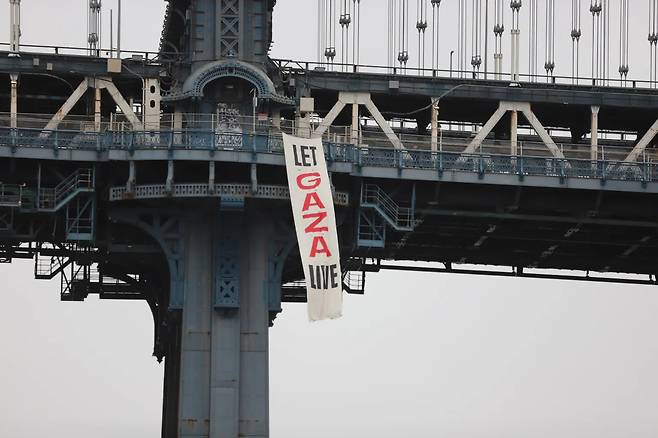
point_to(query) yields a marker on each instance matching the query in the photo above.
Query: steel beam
(514, 133)
(517, 273)
(122, 104)
(532, 119)
(13, 106)
(97, 109)
(643, 143)
(224, 351)
(434, 122)
(66, 108)
(594, 153)
(548, 141)
(539, 218)
(486, 129)
(356, 99)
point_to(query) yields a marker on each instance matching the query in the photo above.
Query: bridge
(160, 177)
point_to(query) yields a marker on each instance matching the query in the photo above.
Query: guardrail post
(330, 152)
(56, 143)
(131, 142)
(170, 147)
(520, 167)
(398, 159)
(13, 134)
(562, 171)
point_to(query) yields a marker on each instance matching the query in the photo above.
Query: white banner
(315, 222)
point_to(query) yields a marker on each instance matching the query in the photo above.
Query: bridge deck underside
(529, 227)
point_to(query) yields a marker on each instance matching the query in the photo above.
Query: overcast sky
(419, 355)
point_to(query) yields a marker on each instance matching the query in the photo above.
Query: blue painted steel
(280, 248)
(371, 229)
(270, 143)
(227, 256)
(167, 231)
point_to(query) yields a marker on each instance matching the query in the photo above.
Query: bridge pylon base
(222, 367)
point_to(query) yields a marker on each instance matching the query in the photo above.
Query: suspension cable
(549, 64)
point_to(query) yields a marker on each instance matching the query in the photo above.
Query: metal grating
(158, 191)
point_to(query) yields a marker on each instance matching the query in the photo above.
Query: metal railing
(81, 132)
(288, 66)
(53, 199)
(400, 218)
(11, 195)
(135, 55)
(482, 162)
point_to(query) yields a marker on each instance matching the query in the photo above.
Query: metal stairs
(80, 181)
(76, 195)
(399, 218)
(377, 211)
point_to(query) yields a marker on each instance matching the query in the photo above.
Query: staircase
(377, 211)
(80, 181)
(76, 194)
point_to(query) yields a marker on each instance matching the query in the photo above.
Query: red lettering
(309, 181)
(312, 200)
(319, 246)
(319, 217)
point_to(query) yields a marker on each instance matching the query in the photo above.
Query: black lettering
(318, 277)
(334, 276)
(297, 162)
(305, 156)
(324, 278)
(311, 276)
(315, 158)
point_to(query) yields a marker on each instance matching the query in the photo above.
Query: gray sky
(419, 355)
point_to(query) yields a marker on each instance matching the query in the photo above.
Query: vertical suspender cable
(421, 26)
(575, 39)
(403, 30)
(549, 64)
(391, 34)
(486, 39)
(356, 32)
(460, 34)
(320, 42)
(476, 35)
(436, 9)
(463, 35)
(605, 40)
(330, 33)
(532, 40)
(623, 40)
(595, 8)
(345, 20)
(499, 28)
(515, 31)
(653, 39)
(650, 15)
